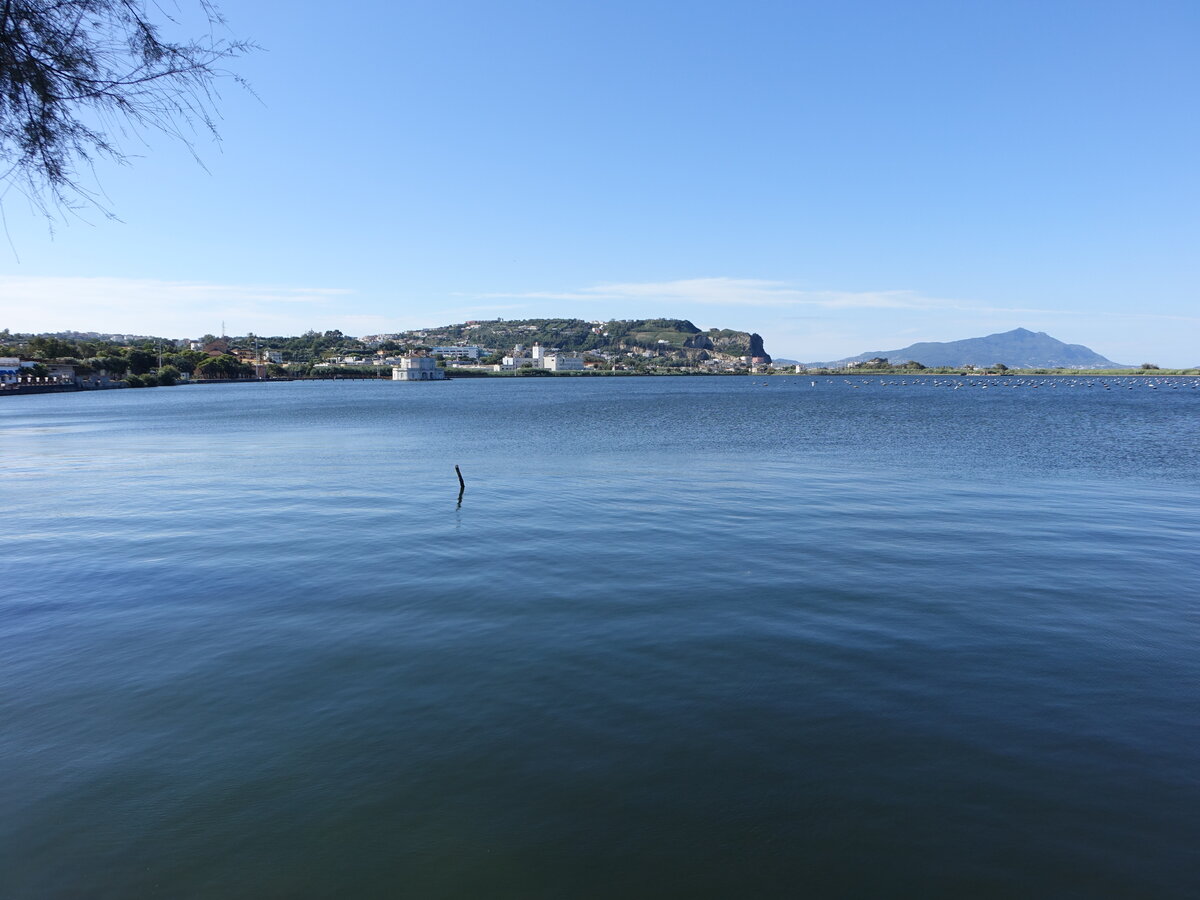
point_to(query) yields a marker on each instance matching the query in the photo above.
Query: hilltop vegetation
(675, 337)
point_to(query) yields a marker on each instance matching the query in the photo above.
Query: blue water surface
(682, 637)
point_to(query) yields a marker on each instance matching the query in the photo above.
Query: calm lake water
(683, 637)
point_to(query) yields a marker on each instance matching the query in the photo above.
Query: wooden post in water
(462, 485)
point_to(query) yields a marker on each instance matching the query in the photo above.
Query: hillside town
(91, 360)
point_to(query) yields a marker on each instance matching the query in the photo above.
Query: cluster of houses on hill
(461, 355)
(419, 364)
(425, 368)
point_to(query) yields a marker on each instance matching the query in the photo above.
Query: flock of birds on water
(1129, 383)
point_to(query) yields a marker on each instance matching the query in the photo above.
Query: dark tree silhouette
(74, 73)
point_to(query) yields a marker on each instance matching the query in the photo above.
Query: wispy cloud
(741, 292)
(492, 307)
(732, 292)
(753, 292)
(153, 306)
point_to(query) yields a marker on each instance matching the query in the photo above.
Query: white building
(562, 362)
(539, 358)
(10, 369)
(417, 368)
(457, 352)
(63, 374)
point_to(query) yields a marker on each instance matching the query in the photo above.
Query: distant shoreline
(28, 389)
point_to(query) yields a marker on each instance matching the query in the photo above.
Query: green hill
(673, 337)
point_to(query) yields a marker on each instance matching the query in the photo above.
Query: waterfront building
(10, 369)
(63, 374)
(417, 368)
(562, 362)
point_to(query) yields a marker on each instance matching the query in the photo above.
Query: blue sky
(840, 177)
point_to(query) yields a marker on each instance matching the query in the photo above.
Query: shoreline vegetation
(74, 361)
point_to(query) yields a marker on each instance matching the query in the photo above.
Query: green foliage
(71, 68)
(474, 373)
(348, 372)
(184, 360)
(115, 366)
(168, 376)
(223, 366)
(141, 361)
(49, 347)
(309, 347)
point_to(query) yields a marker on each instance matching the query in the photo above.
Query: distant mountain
(1017, 349)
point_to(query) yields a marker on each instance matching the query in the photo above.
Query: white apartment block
(563, 362)
(457, 352)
